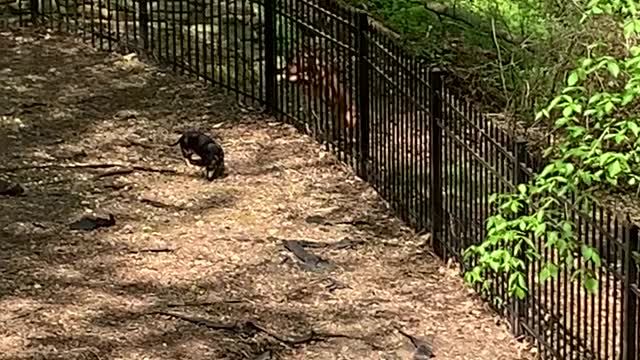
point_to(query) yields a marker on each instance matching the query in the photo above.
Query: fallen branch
(249, 326)
(199, 321)
(308, 260)
(206, 303)
(423, 348)
(163, 250)
(90, 166)
(114, 173)
(141, 144)
(159, 204)
(332, 285)
(338, 245)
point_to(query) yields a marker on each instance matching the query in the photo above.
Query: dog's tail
(177, 142)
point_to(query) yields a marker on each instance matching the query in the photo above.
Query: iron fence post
(144, 23)
(435, 109)
(33, 5)
(270, 54)
(629, 335)
(519, 177)
(363, 94)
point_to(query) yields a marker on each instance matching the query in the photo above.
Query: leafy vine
(598, 150)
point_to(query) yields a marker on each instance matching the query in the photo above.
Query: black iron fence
(338, 76)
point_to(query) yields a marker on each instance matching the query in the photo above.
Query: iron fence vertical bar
(435, 107)
(134, 20)
(165, 20)
(196, 37)
(236, 47)
(33, 8)
(180, 28)
(144, 24)
(403, 155)
(211, 43)
(616, 330)
(363, 95)
(447, 175)
(520, 150)
(249, 87)
(91, 21)
(203, 22)
(221, 62)
(60, 18)
(174, 45)
(109, 37)
(117, 11)
(155, 33)
(125, 15)
(227, 28)
(608, 284)
(270, 54)
(629, 336)
(189, 63)
(393, 123)
(290, 91)
(100, 26)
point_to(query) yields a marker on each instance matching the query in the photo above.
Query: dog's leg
(209, 173)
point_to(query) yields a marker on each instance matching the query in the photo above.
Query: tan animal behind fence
(322, 79)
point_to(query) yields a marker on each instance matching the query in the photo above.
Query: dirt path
(184, 247)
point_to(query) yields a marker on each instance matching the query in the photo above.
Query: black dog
(210, 152)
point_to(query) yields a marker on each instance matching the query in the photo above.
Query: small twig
(312, 335)
(137, 143)
(152, 250)
(158, 204)
(25, 313)
(198, 321)
(114, 173)
(422, 348)
(207, 303)
(89, 166)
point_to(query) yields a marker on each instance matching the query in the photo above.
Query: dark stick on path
(125, 167)
(250, 326)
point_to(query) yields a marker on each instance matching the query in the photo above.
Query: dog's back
(210, 152)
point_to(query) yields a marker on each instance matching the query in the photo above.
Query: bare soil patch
(195, 269)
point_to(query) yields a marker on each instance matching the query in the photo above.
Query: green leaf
(552, 238)
(587, 252)
(635, 129)
(614, 169)
(548, 271)
(573, 79)
(595, 258)
(629, 29)
(591, 284)
(608, 107)
(626, 99)
(614, 69)
(521, 281)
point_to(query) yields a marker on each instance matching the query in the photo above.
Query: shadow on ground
(195, 269)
